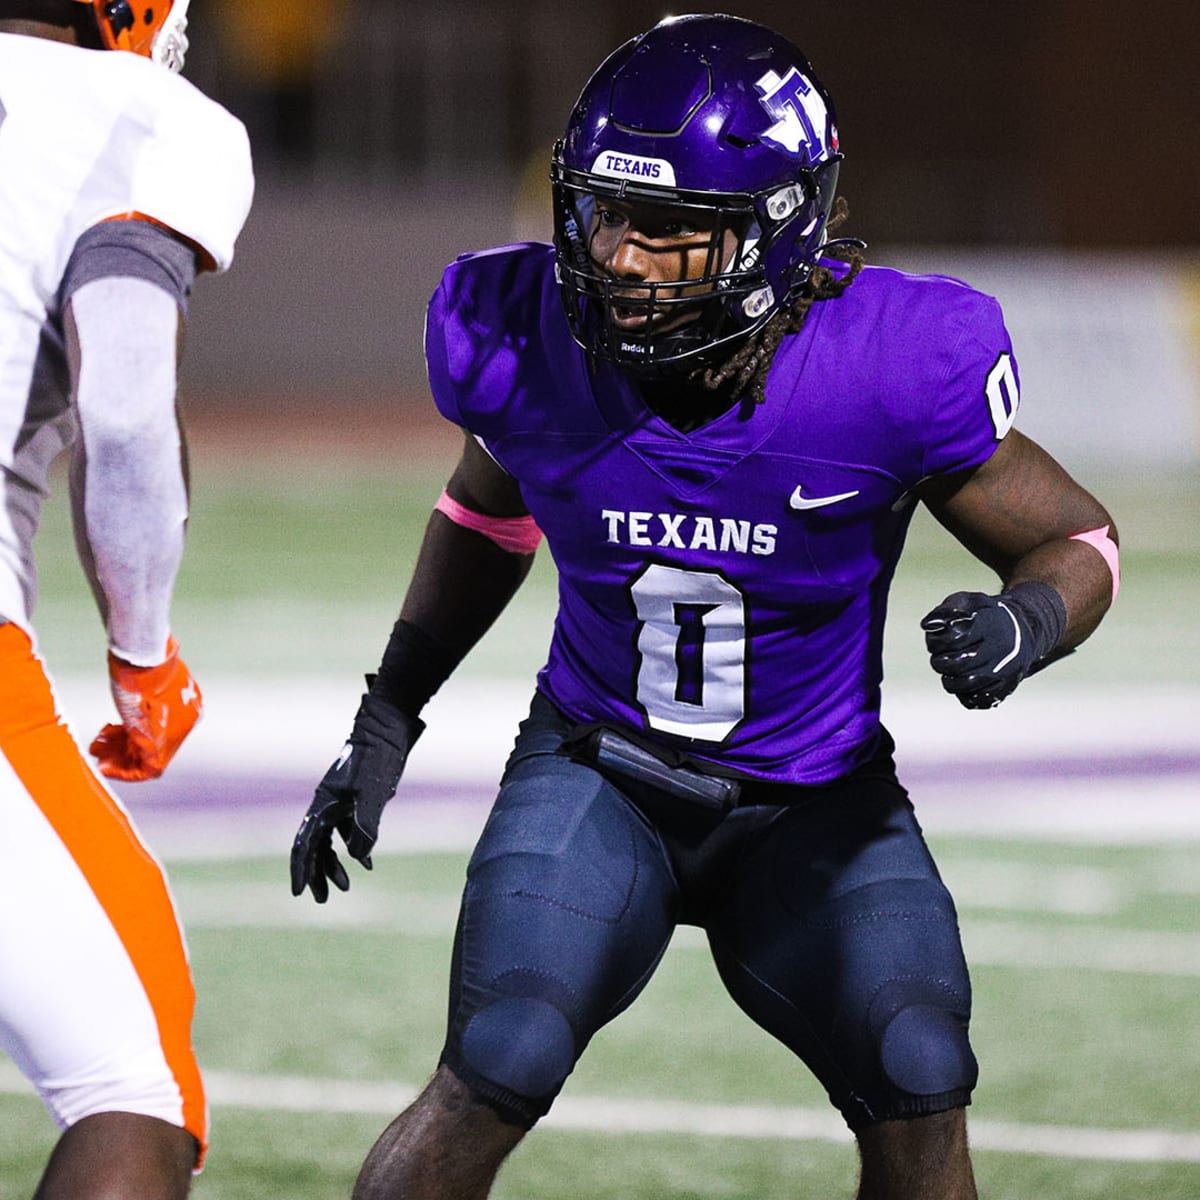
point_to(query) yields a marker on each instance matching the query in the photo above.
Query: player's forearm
(1024, 516)
(462, 582)
(1083, 570)
(129, 493)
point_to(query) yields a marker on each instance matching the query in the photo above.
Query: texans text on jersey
(681, 531)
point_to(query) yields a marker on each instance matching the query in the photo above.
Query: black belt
(612, 754)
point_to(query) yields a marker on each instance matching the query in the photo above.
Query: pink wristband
(1108, 551)
(517, 535)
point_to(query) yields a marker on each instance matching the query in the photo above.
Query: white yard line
(1094, 948)
(294, 726)
(989, 942)
(276, 1093)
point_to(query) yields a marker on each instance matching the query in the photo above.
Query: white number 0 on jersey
(1002, 396)
(692, 644)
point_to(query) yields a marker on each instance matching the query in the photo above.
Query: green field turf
(283, 998)
(296, 573)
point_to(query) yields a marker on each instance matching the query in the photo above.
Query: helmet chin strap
(840, 243)
(171, 43)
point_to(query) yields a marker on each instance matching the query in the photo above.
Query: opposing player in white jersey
(119, 182)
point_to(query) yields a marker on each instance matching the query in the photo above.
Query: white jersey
(86, 136)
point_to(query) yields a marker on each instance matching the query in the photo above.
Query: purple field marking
(208, 791)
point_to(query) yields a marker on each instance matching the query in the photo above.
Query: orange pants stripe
(126, 881)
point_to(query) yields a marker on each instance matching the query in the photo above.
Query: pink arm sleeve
(517, 535)
(1099, 539)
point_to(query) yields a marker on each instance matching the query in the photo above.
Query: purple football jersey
(724, 590)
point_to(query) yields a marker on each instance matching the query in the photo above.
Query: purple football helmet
(702, 112)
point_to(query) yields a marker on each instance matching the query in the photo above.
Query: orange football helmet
(151, 28)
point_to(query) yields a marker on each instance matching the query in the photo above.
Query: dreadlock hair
(746, 368)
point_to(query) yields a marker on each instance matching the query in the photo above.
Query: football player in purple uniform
(720, 420)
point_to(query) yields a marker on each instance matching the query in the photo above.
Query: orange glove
(158, 707)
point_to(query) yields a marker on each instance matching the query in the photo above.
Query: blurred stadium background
(1044, 151)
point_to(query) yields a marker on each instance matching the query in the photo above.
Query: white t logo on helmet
(801, 118)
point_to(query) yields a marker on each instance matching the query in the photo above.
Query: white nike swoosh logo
(799, 501)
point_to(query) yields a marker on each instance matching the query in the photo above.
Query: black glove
(983, 646)
(351, 797)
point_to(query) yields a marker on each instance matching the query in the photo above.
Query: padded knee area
(521, 1043)
(925, 1051)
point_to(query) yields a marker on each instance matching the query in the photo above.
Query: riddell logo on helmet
(633, 166)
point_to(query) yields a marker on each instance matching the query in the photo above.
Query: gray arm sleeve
(133, 249)
(128, 486)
